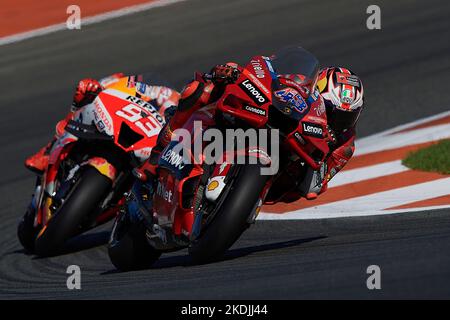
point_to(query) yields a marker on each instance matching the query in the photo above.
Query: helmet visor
(340, 120)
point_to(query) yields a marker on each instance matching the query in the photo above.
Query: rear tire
(88, 192)
(231, 220)
(128, 248)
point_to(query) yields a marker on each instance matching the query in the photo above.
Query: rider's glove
(224, 74)
(169, 113)
(86, 91)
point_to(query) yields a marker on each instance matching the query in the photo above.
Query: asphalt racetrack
(405, 67)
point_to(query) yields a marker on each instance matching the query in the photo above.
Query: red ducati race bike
(89, 170)
(207, 206)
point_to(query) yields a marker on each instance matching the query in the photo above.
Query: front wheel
(26, 231)
(231, 219)
(128, 248)
(87, 193)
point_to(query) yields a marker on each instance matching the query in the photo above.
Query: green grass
(435, 158)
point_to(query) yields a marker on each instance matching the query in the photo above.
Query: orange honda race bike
(89, 170)
(206, 206)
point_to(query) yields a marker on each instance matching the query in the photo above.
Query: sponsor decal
(164, 193)
(100, 125)
(258, 83)
(213, 185)
(299, 138)
(253, 92)
(257, 67)
(347, 96)
(292, 98)
(312, 129)
(147, 107)
(349, 79)
(104, 167)
(320, 109)
(317, 119)
(174, 159)
(143, 153)
(101, 116)
(262, 155)
(258, 111)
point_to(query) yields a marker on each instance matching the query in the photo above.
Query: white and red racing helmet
(343, 94)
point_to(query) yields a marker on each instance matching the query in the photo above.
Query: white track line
(87, 21)
(410, 125)
(445, 206)
(373, 204)
(266, 216)
(366, 173)
(398, 140)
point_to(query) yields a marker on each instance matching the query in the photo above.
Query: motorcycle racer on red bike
(339, 88)
(141, 86)
(191, 194)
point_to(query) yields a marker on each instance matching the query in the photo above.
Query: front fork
(139, 208)
(139, 202)
(46, 193)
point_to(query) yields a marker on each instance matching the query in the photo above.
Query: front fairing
(132, 123)
(249, 98)
(59, 145)
(179, 171)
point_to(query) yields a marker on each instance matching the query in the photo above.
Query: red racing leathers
(201, 92)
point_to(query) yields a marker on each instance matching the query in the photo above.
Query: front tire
(231, 219)
(87, 193)
(26, 231)
(128, 248)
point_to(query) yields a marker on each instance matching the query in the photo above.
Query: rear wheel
(87, 193)
(128, 247)
(231, 219)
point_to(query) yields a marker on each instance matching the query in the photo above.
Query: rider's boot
(313, 183)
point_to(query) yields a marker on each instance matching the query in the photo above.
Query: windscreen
(297, 64)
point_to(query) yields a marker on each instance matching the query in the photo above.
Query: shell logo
(213, 185)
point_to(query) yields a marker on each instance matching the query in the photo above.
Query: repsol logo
(312, 129)
(254, 93)
(255, 110)
(173, 159)
(148, 107)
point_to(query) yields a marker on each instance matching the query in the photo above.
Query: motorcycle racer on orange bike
(141, 86)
